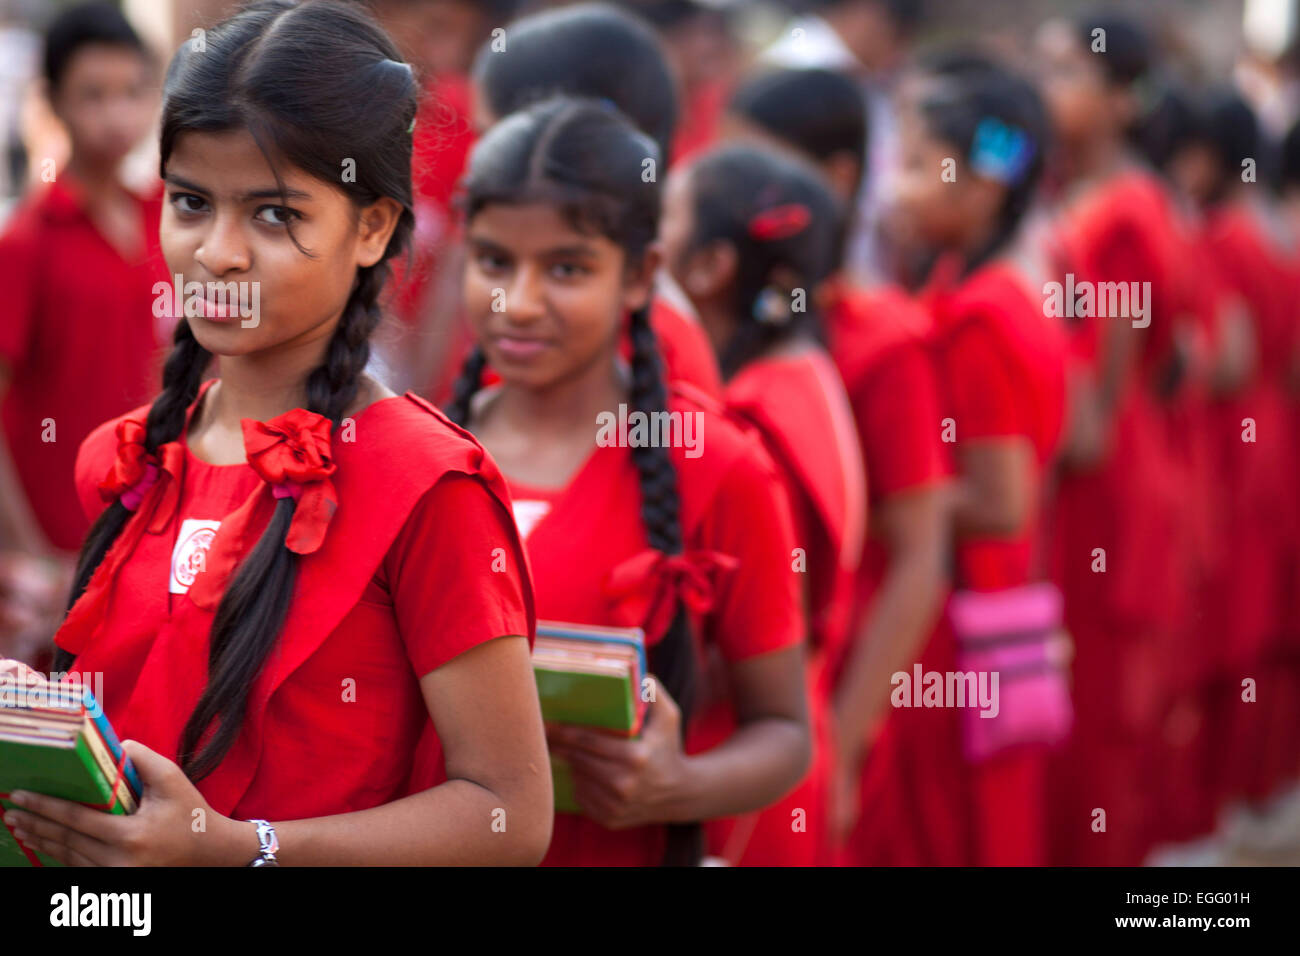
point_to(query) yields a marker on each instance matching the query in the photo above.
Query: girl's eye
(491, 262)
(276, 215)
(187, 203)
(568, 270)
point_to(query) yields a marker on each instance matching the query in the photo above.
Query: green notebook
(589, 676)
(54, 744)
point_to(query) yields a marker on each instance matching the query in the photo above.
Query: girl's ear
(710, 270)
(374, 228)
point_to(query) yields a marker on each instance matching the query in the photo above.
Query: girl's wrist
(239, 845)
(684, 797)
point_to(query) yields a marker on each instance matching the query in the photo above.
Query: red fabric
(913, 808)
(1002, 364)
(698, 128)
(77, 332)
(799, 407)
(1122, 619)
(388, 597)
(731, 504)
(441, 141)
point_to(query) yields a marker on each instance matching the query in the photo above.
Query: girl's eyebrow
(578, 250)
(267, 193)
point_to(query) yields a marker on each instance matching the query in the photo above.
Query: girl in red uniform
(78, 262)
(891, 801)
(598, 51)
(1001, 369)
(684, 534)
(750, 235)
(1119, 530)
(305, 590)
(1254, 465)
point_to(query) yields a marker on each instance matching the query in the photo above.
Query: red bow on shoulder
(648, 585)
(291, 453)
(134, 470)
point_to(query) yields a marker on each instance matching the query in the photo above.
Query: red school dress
(389, 529)
(592, 564)
(1256, 484)
(77, 332)
(911, 811)
(1130, 506)
(798, 405)
(1001, 365)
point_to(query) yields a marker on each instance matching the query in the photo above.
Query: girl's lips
(218, 311)
(519, 349)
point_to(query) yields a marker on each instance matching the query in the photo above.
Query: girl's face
(224, 222)
(934, 212)
(546, 302)
(1073, 84)
(705, 274)
(106, 98)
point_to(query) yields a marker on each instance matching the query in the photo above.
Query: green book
(57, 769)
(591, 677)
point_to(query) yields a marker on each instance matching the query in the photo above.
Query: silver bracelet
(270, 845)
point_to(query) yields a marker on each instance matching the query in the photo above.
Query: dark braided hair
(313, 84)
(732, 188)
(588, 158)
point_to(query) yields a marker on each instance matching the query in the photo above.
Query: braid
(253, 608)
(673, 658)
(466, 385)
(182, 375)
(332, 387)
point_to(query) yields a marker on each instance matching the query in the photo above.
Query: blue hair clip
(1001, 152)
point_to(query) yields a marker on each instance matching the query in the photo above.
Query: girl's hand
(173, 826)
(845, 783)
(623, 783)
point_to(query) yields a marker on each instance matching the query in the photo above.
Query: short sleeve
(982, 396)
(897, 410)
(19, 277)
(94, 458)
(456, 573)
(758, 608)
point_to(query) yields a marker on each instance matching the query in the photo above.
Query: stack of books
(590, 676)
(56, 741)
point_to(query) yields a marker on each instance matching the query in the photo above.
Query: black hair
(1129, 50)
(589, 50)
(314, 83)
(819, 111)
(1236, 136)
(906, 15)
(1289, 160)
(731, 188)
(1176, 120)
(84, 25)
(956, 108)
(587, 158)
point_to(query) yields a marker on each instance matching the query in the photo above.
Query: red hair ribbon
(134, 470)
(291, 453)
(780, 222)
(648, 585)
